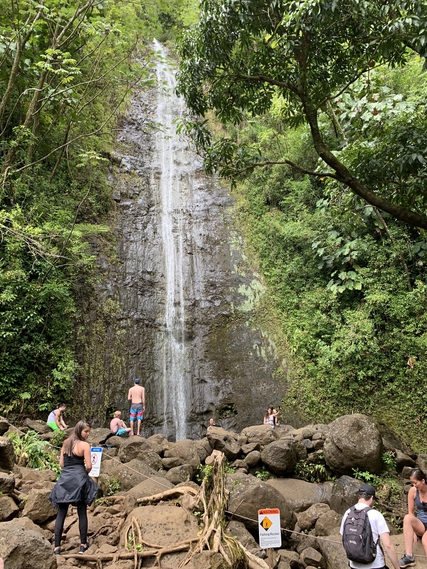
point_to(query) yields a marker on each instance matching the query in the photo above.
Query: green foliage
(32, 452)
(313, 472)
(346, 287)
(204, 473)
(112, 486)
(313, 63)
(263, 474)
(66, 74)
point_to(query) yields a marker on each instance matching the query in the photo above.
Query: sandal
(57, 551)
(84, 548)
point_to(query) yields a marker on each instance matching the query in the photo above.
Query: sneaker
(407, 561)
(83, 548)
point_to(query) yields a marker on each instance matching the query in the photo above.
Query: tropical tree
(243, 56)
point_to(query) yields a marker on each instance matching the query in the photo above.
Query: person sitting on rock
(55, 420)
(415, 526)
(212, 423)
(118, 426)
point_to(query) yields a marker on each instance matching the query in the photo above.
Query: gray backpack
(357, 537)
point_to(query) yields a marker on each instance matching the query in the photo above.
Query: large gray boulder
(185, 451)
(344, 493)
(300, 494)
(262, 434)
(280, 456)
(248, 494)
(164, 524)
(7, 483)
(353, 441)
(224, 441)
(4, 426)
(127, 475)
(7, 454)
(21, 548)
(333, 551)
(8, 508)
(37, 506)
(37, 426)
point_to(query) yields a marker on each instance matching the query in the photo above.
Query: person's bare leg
(138, 431)
(131, 428)
(411, 525)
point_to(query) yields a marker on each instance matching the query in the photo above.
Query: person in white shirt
(366, 497)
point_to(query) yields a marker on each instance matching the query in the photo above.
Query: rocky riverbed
(154, 495)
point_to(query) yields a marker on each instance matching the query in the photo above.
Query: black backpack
(357, 537)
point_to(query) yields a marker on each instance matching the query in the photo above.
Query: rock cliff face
(175, 303)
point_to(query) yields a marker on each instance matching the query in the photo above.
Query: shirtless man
(137, 408)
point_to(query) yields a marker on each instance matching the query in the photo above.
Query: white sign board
(269, 528)
(95, 456)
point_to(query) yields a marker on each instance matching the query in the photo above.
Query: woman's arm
(61, 458)
(87, 457)
(411, 500)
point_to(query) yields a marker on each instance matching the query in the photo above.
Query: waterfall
(169, 153)
(177, 302)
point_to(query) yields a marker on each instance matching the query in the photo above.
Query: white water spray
(170, 156)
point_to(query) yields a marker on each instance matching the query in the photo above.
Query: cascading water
(178, 302)
(169, 152)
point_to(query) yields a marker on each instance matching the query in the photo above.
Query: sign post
(270, 535)
(95, 456)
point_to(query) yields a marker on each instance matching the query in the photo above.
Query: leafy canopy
(243, 55)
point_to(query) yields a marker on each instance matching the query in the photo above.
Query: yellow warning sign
(270, 534)
(266, 523)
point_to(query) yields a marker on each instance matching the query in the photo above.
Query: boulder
(248, 494)
(328, 523)
(332, 551)
(98, 436)
(37, 426)
(299, 494)
(22, 548)
(164, 524)
(253, 458)
(149, 487)
(280, 456)
(403, 460)
(203, 448)
(7, 455)
(179, 474)
(8, 508)
(185, 450)
(353, 441)
(224, 441)
(312, 558)
(4, 426)
(262, 434)
(7, 483)
(207, 560)
(127, 475)
(307, 519)
(344, 494)
(250, 447)
(37, 506)
(158, 443)
(238, 530)
(135, 447)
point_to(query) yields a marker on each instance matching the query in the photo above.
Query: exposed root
(167, 495)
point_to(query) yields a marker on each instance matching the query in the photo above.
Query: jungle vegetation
(67, 70)
(316, 112)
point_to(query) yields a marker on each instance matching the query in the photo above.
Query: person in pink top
(118, 426)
